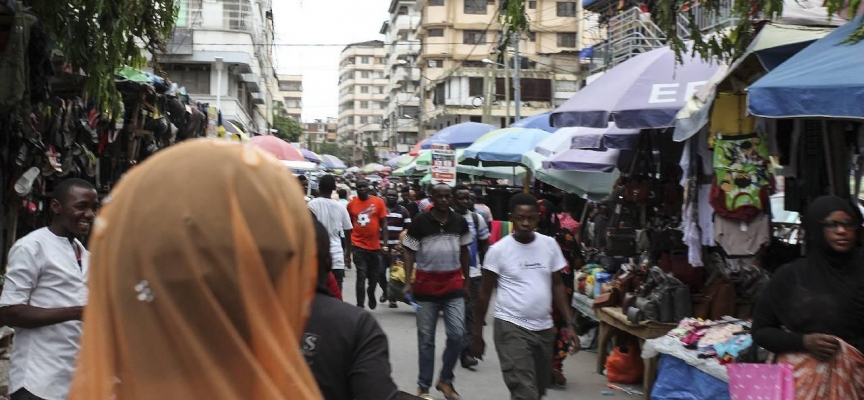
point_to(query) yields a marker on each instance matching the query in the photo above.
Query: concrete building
(401, 119)
(318, 132)
(457, 35)
(220, 52)
(362, 96)
(290, 94)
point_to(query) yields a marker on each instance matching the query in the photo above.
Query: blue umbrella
(823, 80)
(503, 146)
(644, 92)
(460, 135)
(539, 121)
(333, 162)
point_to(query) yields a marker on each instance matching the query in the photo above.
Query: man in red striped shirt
(438, 241)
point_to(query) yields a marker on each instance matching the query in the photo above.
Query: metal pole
(517, 86)
(219, 65)
(421, 129)
(507, 87)
(487, 95)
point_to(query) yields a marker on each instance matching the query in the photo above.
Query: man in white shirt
(44, 295)
(335, 218)
(524, 267)
(480, 235)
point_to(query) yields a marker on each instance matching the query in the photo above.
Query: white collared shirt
(44, 272)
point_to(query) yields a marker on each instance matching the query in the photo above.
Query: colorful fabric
(743, 181)
(398, 219)
(366, 220)
(840, 378)
(500, 230)
(438, 247)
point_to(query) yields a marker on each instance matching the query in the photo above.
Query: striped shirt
(438, 247)
(398, 219)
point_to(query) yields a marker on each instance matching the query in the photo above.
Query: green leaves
(99, 36)
(287, 128)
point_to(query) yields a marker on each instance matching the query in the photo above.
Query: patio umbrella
(459, 135)
(405, 160)
(503, 147)
(394, 162)
(333, 162)
(353, 170)
(610, 137)
(595, 185)
(416, 149)
(310, 156)
(539, 121)
(585, 160)
(824, 80)
(278, 147)
(372, 168)
(643, 92)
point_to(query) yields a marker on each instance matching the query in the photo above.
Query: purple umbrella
(610, 137)
(333, 162)
(644, 92)
(460, 135)
(594, 160)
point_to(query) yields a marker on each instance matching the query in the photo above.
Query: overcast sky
(332, 22)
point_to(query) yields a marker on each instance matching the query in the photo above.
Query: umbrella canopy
(427, 179)
(372, 168)
(512, 172)
(353, 169)
(644, 92)
(416, 149)
(311, 156)
(235, 132)
(278, 147)
(539, 121)
(824, 80)
(459, 136)
(405, 160)
(610, 137)
(333, 162)
(585, 160)
(300, 165)
(595, 185)
(503, 146)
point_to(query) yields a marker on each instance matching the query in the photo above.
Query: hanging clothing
(201, 281)
(739, 238)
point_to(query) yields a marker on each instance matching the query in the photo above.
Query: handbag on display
(667, 301)
(637, 193)
(621, 242)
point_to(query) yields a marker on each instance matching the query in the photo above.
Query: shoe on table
(448, 390)
(423, 393)
(468, 361)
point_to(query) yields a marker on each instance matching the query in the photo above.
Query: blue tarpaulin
(677, 380)
(823, 80)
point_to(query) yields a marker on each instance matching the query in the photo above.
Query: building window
(532, 89)
(364, 74)
(475, 87)
(436, 33)
(364, 60)
(382, 60)
(293, 104)
(364, 89)
(364, 104)
(532, 36)
(440, 93)
(474, 37)
(532, 5)
(566, 8)
(475, 6)
(195, 77)
(364, 120)
(379, 90)
(567, 39)
(436, 63)
(436, 3)
(566, 86)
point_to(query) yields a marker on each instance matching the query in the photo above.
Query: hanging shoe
(24, 184)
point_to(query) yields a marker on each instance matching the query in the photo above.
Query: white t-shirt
(336, 220)
(525, 280)
(44, 272)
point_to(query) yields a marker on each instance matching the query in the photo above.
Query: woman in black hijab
(814, 303)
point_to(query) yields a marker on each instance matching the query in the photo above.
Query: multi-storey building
(220, 52)
(290, 94)
(401, 119)
(457, 35)
(318, 132)
(362, 96)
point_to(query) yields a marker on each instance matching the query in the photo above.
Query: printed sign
(443, 165)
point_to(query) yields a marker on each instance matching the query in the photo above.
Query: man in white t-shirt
(335, 218)
(524, 267)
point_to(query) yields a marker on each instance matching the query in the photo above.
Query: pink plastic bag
(761, 381)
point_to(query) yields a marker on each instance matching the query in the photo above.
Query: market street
(485, 383)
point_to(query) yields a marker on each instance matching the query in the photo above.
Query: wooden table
(612, 320)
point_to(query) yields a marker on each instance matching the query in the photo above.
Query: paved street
(486, 382)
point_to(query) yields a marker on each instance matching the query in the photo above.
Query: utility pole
(487, 95)
(517, 84)
(421, 128)
(507, 86)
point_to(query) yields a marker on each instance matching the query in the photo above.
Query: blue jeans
(427, 322)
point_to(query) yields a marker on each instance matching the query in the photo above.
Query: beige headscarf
(202, 277)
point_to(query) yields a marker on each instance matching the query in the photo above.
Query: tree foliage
(99, 36)
(287, 129)
(369, 154)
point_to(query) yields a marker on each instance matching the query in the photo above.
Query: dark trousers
(526, 361)
(386, 262)
(339, 274)
(367, 262)
(474, 286)
(23, 394)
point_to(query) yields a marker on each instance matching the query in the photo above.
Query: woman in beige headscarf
(202, 275)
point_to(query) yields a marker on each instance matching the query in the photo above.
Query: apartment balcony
(402, 49)
(708, 21)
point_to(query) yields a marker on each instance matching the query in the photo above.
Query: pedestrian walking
(336, 220)
(464, 205)
(201, 282)
(438, 241)
(479, 206)
(44, 292)
(368, 239)
(398, 220)
(524, 268)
